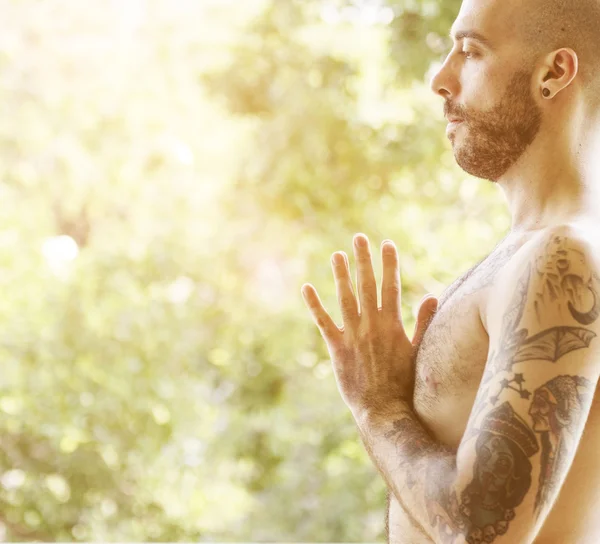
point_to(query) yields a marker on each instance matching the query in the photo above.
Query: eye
(468, 54)
(503, 466)
(484, 455)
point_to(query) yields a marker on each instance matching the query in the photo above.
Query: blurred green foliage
(171, 173)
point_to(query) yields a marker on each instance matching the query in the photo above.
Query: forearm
(401, 527)
(419, 471)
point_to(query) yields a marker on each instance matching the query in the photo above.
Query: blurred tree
(343, 132)
(171, 173)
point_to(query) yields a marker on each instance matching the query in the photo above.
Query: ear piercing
(546, 92)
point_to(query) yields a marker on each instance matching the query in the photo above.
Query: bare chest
(452, 356)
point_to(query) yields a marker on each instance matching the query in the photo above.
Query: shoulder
(555, 276)
(563, 245)
(563, 260)
(561, 251)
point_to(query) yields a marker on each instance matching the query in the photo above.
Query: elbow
(450, 512)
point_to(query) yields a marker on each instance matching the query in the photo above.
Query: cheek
(484, 456)
(502, 468)
(481, 88)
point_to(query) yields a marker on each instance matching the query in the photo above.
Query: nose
(444, 82)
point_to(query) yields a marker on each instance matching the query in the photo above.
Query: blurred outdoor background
(171, 173)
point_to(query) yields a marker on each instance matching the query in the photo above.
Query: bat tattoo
(566, 281)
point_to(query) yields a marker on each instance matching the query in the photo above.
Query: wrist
(382, 411)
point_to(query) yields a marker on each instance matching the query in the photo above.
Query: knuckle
(367, 286)
(368, 296)
(347, 303)
(393, 289)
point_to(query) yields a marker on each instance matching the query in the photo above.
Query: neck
(558, 178)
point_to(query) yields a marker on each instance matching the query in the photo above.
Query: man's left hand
(373, 359)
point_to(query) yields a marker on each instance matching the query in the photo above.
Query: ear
(560, 69)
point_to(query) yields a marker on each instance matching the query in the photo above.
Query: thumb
(426, 312)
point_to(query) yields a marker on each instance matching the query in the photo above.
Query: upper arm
(536, 391)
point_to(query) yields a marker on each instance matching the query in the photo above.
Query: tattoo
(505, 442)
(566, 277)
(414, 442)
(567, 282)
(557, 412)
(501, 475)
(550, 344)
(443, 510)
(423, 459)
(518, 379)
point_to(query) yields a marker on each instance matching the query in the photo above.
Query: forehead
(491, 18)
(499, 445)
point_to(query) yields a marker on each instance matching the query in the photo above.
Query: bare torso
(449, 368)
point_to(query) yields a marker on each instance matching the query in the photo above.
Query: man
(485, 427)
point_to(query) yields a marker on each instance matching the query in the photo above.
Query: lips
(453, 125)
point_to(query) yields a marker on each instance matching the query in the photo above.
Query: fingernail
(387, 245)
(360, 240)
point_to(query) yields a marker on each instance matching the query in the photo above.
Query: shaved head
(522, 83)
(547, 25)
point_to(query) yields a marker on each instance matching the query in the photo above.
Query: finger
(345, 291)
(367, 287)
(391, 288)
(329, 330)
(427, 312)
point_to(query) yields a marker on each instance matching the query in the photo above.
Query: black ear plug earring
(546, 92)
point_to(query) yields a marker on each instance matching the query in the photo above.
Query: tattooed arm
(530, 410)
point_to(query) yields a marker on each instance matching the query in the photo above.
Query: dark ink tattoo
(557, 411)
(507, 384)
(549, 345)
(501, 475)
(437, 473)
(567, 280)
(566, 276)
(443, 510)
(414, 442)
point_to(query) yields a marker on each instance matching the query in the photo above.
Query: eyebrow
(473, 35)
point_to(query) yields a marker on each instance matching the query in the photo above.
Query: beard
(491, 142)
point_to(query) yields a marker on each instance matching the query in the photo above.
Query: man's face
(495, 466)
(491, 90)
(541, 410)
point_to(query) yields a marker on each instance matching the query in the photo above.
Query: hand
(373, 359)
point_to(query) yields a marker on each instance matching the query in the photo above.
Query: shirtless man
(489, 429)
